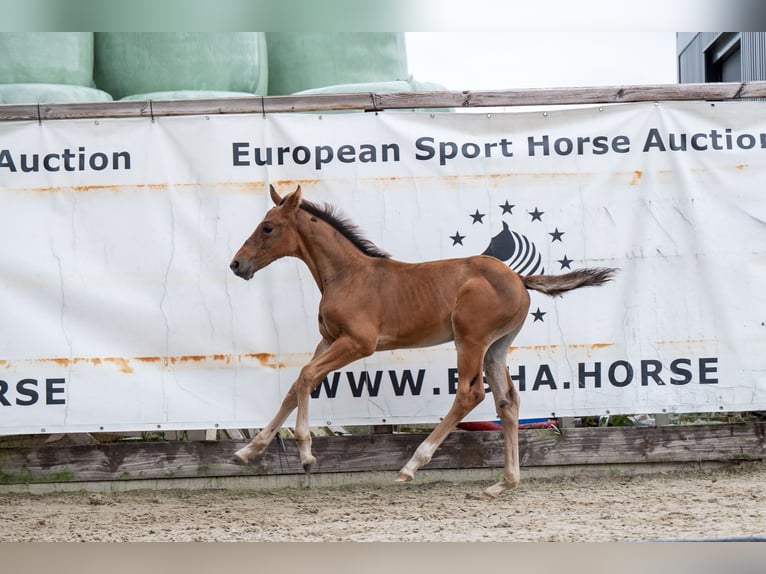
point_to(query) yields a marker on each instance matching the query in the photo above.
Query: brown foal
(371, 302)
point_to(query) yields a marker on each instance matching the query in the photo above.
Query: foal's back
(422, 304)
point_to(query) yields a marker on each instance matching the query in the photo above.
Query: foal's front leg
(327, 358)
(267, 433)
(341, 352)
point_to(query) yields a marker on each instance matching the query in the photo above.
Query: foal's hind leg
(470, 392)
(507, 403)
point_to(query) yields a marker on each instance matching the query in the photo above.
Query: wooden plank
(74, 438)
(619, 445)
(388, 452)
(235, 434)
(566, 96)
(392, 101)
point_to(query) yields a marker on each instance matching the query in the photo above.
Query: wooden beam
(388, 452)
(567, 96)
(385, 101)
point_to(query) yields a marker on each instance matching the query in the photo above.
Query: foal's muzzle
(241, 270)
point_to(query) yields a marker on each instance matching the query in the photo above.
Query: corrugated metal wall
(753, 56)
(691, 56)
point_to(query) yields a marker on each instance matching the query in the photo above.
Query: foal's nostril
(234, 265)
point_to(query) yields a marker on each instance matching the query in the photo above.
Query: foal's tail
(555, 285)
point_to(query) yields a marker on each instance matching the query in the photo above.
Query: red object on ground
(492, 425)
(479, 426)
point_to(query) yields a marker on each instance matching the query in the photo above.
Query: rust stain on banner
(591, 346)
(245, 186)
(494, 179)
(583, 346)
(283, 185)
(125, 365)
(104, 187)
(291, 183)
(141, 186)
(686, 343)
(122, 364)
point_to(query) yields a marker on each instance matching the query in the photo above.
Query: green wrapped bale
(410, 85)
(50, 94)
(301, 61)
(187, 95)
(47, 57)
(140, 63)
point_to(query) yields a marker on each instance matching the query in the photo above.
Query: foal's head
(276, 236)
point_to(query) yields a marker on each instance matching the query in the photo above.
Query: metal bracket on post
(566, 422)
(661, 419)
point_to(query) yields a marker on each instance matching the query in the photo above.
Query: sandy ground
(709, 504)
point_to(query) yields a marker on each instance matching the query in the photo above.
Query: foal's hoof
(308, 463)
(493, 492)
(236, 460)
(499, 488)
(404, 477)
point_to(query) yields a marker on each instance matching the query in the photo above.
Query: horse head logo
(517, 250)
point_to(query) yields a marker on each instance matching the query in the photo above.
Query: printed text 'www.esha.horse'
(371, 302)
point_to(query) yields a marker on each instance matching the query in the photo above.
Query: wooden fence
(126, 461)
(387, 101)
(612, 446)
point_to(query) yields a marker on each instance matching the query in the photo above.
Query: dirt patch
(709, 504)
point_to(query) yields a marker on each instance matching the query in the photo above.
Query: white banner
(119, 312)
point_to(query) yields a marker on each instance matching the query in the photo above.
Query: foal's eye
(267, 228)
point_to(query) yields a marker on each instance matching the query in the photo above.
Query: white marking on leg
(422, 456)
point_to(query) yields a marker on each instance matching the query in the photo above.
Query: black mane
(330, 214)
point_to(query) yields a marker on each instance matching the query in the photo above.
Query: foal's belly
(426, 336)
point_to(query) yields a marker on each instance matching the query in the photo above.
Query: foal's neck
(326, 252)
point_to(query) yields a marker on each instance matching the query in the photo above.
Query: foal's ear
(274, 195)
(293, 201)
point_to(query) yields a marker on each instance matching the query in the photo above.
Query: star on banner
(477, 217)
(538, 315)
(556, 234)
(537, 215)
(457, 239)
(507, 207)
